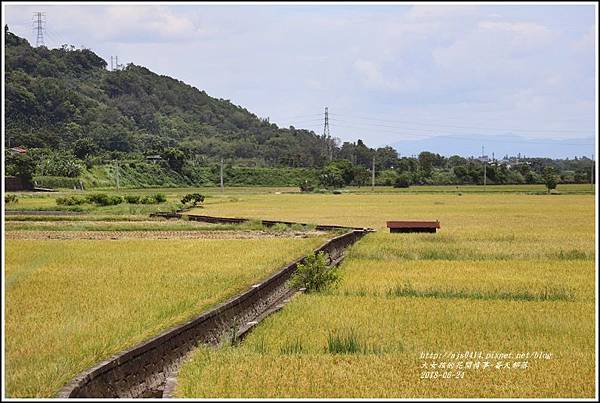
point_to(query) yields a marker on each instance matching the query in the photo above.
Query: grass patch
(544, 294)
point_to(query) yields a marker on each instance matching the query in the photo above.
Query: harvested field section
(67, 311)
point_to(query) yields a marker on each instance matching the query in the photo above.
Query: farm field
(507, 273)
(72, 303)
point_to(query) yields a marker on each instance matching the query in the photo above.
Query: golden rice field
(72, 303)
(510, 274)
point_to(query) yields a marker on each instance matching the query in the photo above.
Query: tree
(551, 182)
(331, 177)
(361, 176)
(426, 162)
(175, 158)
(20, 165)
(550, 178)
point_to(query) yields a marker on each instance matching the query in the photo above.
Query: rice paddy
(72, 303)
(508, 275)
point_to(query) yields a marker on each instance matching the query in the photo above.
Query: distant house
(154, 158)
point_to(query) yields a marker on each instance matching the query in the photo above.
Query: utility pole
(373, 175)
(592, 173)
(327, 136)
(39, 20)
(117, 173)
(111, 63)
(222, 188)
(484, 166)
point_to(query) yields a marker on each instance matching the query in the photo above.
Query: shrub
(314, 274)
(402, 181)
(132, 199)
(147, 200)
(194, 198)
(11, 199)
(102, 199)
(70, 201)
(306, 186)
(160, 197)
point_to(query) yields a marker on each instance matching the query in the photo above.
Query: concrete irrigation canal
(149, 368)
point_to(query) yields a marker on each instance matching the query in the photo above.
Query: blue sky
(388, 73)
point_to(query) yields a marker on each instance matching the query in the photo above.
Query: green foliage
(194, 198)
(160, 197)
(20, 165)
(331, 177)
(54, 182)
(306, 186)
(550, 178)
(71, 201)
(102, 199)
(280, 227)
(132, 199)
(58, 164)
(10, 199)
(314, 274)
(402, 181)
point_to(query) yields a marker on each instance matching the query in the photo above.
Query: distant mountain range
(500, 145)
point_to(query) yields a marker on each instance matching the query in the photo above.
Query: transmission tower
(326, 125)
(39, 20)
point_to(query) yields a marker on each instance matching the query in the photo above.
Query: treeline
(49, 168)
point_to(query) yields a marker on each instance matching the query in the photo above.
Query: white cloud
(474, 64)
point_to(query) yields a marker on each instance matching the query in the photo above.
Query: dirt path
(102, 235)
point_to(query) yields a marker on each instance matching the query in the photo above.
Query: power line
(453, 137)
(457, 126)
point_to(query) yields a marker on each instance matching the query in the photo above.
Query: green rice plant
(544, 294)
(573, 254)
(292, 347)
(344, 342)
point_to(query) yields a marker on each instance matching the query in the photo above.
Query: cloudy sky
(388, 73)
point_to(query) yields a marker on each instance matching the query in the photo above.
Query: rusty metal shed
(413, 226)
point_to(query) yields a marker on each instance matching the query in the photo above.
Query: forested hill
(66, 98)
